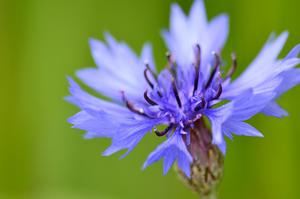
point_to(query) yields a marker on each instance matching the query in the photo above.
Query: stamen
(151, 71)
(148, 99)
(175, 90)
(200, 105)
(154, 76)
(216, 66)
(197, 67)
(171, 64)
(233, 66)
(131, 106)
(169, 57)
(173, 74)
(164, 132)
(147, 78)
(219, 92)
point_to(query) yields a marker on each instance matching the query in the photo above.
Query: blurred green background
(41, 157)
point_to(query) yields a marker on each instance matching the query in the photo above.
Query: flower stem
(212, 195)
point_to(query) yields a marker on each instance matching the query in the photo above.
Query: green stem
(212, 195)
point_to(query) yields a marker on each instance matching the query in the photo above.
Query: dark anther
(169, 57)
(170, 61)
(171, 64)
(175, 90)
(219, 92)
(131, 107)
(233, 66)
(200, 105)
(216, 66)
(197, 66)
(164, 132)
(147, 78)
(148, 99)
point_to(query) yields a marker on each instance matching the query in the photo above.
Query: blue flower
(191, 87)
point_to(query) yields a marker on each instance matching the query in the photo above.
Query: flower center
(171, 100)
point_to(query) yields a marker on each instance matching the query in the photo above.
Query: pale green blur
(41, 157)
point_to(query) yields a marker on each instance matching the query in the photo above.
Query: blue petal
(129, 134)
(197, 16)
(86, 101)
(168, 162)
(187, 31)
(290, 79)
(260, 71)
(273, 109)
(104, 126)
(147, 56)
(172, 149)
(294, 52)
(178, 21)
(249, 105)
(217, 117)
(269, 53)
(108, 85)
(216, 37)
(266, 74)
(241, 128)
(218, 30)
(230, 117)
(223, 147)
(98, 117)
(119, 69)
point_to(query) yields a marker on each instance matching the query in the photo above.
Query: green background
(41, 157)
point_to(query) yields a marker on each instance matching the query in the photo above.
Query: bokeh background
(41, 157)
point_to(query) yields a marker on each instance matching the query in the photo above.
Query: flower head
(190, 88)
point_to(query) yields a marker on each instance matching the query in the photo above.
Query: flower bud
(208, 161)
